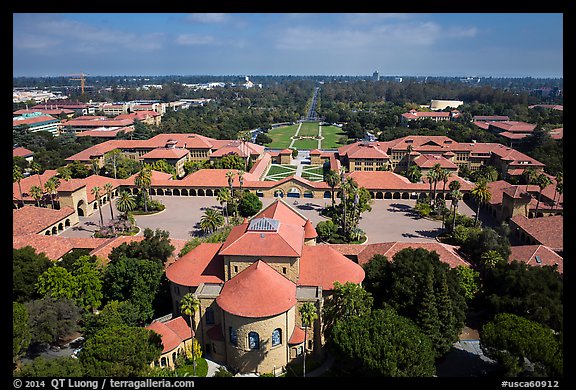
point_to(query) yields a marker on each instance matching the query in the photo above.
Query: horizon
(497, 45)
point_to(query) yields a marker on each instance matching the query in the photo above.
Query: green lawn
(331, 136)
(306, 144)
(279, 172)
(281, 136)
(313, 173)
(309, 129)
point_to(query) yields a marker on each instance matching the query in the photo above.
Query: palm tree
(65, 173)
(241, 180)
(189, 305)
(456, 195)
(559, 189)
(431, 179)
(143, 181)
(51, 186)
(125, 202)
(17, 176)
(529, 175)
(481, 194)
(543, 181)
(95, 167)
(211, 220)
(437, 171)
(332, 179)
(444, 176)
(96, 192)
(36, 193)
(108, 189)
(308, 314)
(230, 176)
(414, 173)
(224, 198)
(36, 168)
(410, 148)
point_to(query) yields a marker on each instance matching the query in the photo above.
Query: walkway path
(295, 135)
(320, 137)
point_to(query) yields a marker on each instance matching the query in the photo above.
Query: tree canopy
(382, 343)
(120, 351)
(20, 330)
(51, 320)
(27, 267)
(155, 246)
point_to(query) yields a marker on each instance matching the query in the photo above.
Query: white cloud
(195, 39)
(207, 18)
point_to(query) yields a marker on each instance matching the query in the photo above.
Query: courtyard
(389, 220)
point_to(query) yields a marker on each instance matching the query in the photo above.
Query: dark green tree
(113, 314)
(382, 343)
(348, 300)
(59, 367)
(510, 339)
(155, 246)
(52, 320)
(20, 331)
(249, 205)
(120, 351)
(134, 280)
(27, 266)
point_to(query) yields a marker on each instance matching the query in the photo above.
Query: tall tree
(143, 181)
(481, 195)
(529, 174)
(223, 199)
(190, 305)
(332, 179)
(20, 331)
(17, 177)
(52, 320)
(36, 193)
(542, 181)
(455, 196)
(51, 187)
(96, 192)
(108, 188)
(211, 220)
(348, 300)
(308, 314)
(436, 172)
(36, 168)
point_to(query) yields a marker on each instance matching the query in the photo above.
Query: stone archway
(185, 192)
(67, 222)
(327, 195)
(308, 194)
(278, 193)
(379, 195)
(294, 192)
(192, 192)
(201, 192)
(81, 208)
(60, 226)
(54, 230)
(405, 195)
(160, 191)
(388, 195)
(209, 192)
(176, 192)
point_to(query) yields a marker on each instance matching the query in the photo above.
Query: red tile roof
(248, 294)
(429, 160)
(309, 231)
(90, 182)
(490, 118)
(139, 115)
(365, 150)
(98, 122)
(315, 152)
(413, 114)
(201, 265)
(32, 219)
(321, 265)
(557, 133)
(297, 336)
(548, 231)
(287, 241)
(286, 151)
(105, 133)
(283, 212)
(173, 332)
(56, 246)
(44, 111)
(34, 120)
(536, 255)
(21, 152)
(448, 254)
(513, 126)
(166, 153)
(30, 181)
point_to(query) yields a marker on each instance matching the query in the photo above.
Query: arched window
(233, 336)
(253, 340)
(276, 337)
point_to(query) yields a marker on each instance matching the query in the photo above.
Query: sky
(355, 44)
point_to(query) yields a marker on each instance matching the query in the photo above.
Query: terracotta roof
(429, 160)
(21, 152)
(513, 126)
(447, 253)
(104, 250)
(98, 122)
(32, 219)
(557, 133)
(489, 118)
(286, 151)
(552, 106)
(423, 143)
(413, 114)
(365, 150)
(105, 133)
(315, 152)
(283, 212)
(90, 182)
(536, 255)
(260, 166)
(211, 178)
(201, 265)
(248, 294)
(166, 153)
(547, 231)
(173, 332)
(321, 265)
(297, 336)
(44, 111)
(309, 231)
(139, 115)
(498, 187)
(349, 249)
(30, 181)
(56, 246)
(34, 120)
(287, 241)
(482, 125)
(509, 135)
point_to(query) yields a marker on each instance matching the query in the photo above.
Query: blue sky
(415, 44)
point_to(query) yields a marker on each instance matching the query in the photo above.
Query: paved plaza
(389, 220)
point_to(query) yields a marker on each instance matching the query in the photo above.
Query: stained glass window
(233, 336)
(253, 340)
(276, 337)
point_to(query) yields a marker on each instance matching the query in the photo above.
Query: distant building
(26, 154)
(443, 104)
(375, 76)
(35, 122)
